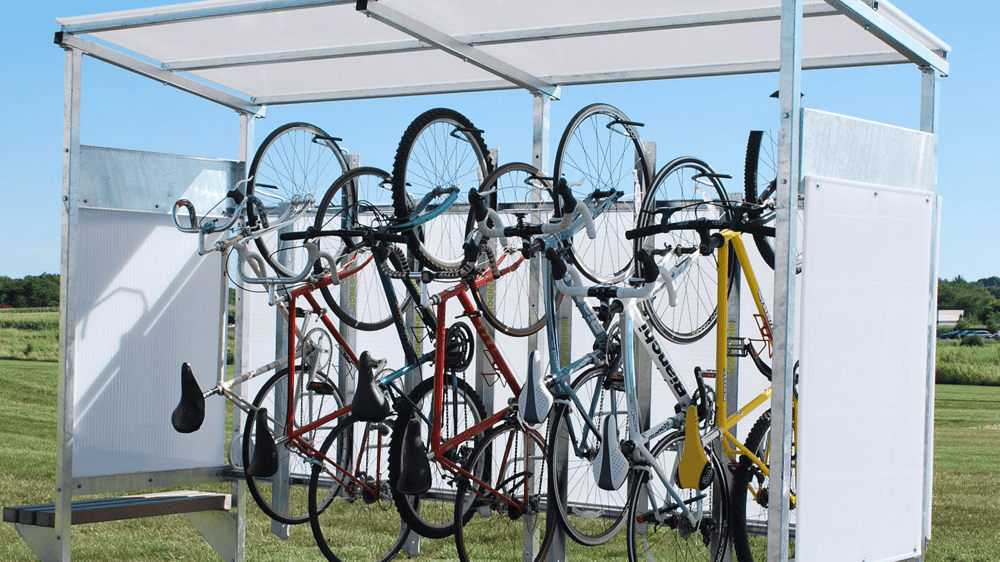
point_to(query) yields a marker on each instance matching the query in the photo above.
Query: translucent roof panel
(312, 50)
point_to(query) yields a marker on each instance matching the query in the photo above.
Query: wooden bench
(209, 512)
(124, 507)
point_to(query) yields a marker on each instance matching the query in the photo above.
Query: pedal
(322, 387)
(735, 347)
(615, 381)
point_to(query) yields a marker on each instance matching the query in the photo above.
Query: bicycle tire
(750, 529)
(514, 459)
(760, 182)
(441, 148)
(596, 520)
(349, 202)
(692, 187)
(364, 525)
(310, 406)
(708, 541)
(295, 160)
(504, 302)
(602, 146)
(420, 512)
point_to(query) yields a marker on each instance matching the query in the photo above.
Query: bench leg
(220, 530)
(42, 541)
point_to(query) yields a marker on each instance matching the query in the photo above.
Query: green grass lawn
(966, 485)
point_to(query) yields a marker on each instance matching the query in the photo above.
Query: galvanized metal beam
(148, 70)
(464, 51)
(182, 12)
(879, 26)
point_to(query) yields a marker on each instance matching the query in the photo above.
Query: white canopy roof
(247, 53)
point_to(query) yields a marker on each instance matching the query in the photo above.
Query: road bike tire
(504, 302)
(295, 160)
(647, 540)
(360, 523)
(692, 187)
(760, 184)
(440, 149)
(308, 407)
(750, 498)
(463, 408)
(602, 146)
(494, 529)
(589, 514)
(359, 197)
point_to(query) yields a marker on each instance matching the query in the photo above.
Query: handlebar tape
(643, 231)
(557, 264)
(648, 269)
(562, 190)
(478, 204)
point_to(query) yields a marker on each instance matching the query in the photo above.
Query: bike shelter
(130, 280)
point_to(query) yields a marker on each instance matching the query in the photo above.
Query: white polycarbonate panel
(754, 43)
(347, 74)
(562, 42)
(145, 303)
(864, 369)
(264, 32)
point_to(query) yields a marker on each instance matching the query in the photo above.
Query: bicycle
(749, 458)
(602, 145)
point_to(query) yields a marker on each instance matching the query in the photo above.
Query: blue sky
(707, 118)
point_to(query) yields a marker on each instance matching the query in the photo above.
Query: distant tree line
(979, 299)
(31, 291)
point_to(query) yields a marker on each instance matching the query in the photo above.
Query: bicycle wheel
(508, 507)
(590, 515)
(760, 183)
(657, 529)
(292, 168)
(750, 498)
(360, 523)
(431, 514)
(602, 147)
(308, 406)
(689, 190)
(440, 149)
(505, 302)
(359, 197)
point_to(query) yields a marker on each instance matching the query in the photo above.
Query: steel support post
(789, 180)
(240, 355)
(483, 387)
(929, 85)
(541, 126)
(349, 300)
(279, 487)
(67, 307)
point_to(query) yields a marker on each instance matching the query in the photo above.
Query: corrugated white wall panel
(146, 302)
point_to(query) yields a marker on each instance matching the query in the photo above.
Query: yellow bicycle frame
(730, 444)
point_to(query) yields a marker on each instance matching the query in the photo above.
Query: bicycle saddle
(190, 411)
(415, 468)
(369, 403)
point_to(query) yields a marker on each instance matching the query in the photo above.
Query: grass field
(966, 485)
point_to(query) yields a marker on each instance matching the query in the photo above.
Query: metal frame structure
(429, 35)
